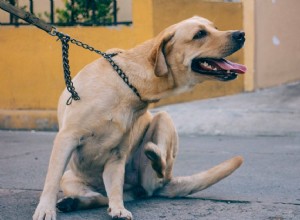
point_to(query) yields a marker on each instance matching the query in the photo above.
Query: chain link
(67, 74)
(120, 72)
(65, 39)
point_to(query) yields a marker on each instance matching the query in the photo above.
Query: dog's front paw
(44, 212)
(120, 213)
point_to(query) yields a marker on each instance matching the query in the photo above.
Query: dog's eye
(200, 34)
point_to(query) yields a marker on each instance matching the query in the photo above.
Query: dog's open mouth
(221, 69)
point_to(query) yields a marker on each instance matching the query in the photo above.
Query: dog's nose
(238, 36)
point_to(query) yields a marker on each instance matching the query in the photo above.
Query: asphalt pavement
(263, 127)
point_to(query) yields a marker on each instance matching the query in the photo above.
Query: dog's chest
(116, 137)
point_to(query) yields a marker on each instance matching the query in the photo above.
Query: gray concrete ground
(263, 127)
(274, 111)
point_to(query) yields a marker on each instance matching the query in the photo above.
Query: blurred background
(31, 74)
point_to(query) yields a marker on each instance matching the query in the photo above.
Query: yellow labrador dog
(115, 148)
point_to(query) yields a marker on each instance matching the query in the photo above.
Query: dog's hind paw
(120, 213)
(67, 204)
(153, 153)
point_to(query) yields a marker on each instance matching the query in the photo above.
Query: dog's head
(193, 51)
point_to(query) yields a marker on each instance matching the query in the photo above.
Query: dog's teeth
(215, 69)
(228, 71)
(205, 64)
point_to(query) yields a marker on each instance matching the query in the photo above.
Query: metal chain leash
(120, 72)
(65, 39)
(67, 74)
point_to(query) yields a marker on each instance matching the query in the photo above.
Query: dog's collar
(124, 77)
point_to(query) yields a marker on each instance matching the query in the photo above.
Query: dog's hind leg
(159, 149)
(160, 145)
(186, 185)
(78, 195)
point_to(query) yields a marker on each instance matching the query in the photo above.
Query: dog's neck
(141, 74)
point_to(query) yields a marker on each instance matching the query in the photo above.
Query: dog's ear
(159, 52)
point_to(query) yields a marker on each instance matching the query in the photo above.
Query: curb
(42, 120)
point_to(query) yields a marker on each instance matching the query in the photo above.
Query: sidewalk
(274, 111)
(263, 127)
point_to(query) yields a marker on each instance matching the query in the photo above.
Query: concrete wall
(124, 10)
(277, 42)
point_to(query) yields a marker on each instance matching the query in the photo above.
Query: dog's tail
(186, 185)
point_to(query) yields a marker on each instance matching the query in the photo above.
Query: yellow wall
(249, 48)
(31, 72)
(31, 75)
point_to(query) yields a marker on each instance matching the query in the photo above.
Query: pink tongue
(227, 65)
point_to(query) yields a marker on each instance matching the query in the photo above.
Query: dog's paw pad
(154, 155)
(152, 152)
(67, 204)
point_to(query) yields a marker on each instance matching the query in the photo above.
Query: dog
(115, 148)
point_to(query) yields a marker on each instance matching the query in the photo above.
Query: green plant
(86, 11)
